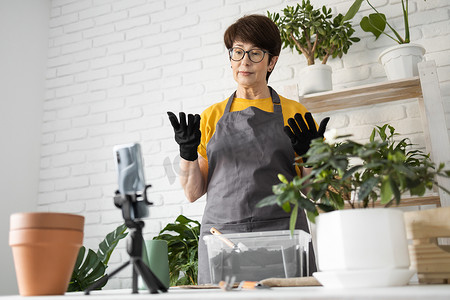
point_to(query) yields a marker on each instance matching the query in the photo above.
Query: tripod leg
(100, 282)
(153, 283)
(134, 280)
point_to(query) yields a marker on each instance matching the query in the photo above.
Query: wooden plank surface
(413, 201)
(363, 95)
(427, 258)
(433, 116)
(430, 223)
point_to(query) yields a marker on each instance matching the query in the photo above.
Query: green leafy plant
(313, 32)
(91, 266)
(182, 239)
(376, 22)
(359, 174)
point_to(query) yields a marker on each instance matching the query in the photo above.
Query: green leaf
(352, 10)
(282, 178)
(367, 187)
(299, 181)
(396, 191)
(286, 206)
(88, 270)
(367, 153)
(80, 257)
(405, 171)
(107, 246)
(386, 191)
(372, 135)
(375, 23)
(306, 204)
(350, 171)
(269, 200)
(289, 195)
(186, 221)
(418, 190)
(337, 199)
(326, 208)
(312, 216)
(293, 219)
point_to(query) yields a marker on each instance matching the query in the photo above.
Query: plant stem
(325, 58)
(304, 51)
(352, 205)
(193, 233)
(310, 47)
(405, 19)
(399, 39)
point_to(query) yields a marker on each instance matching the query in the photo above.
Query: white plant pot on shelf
(362, 248)
(400, 61)
(315, 78)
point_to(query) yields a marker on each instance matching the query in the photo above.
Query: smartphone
(130, 169)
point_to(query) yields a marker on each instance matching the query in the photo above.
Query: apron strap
(275, 100)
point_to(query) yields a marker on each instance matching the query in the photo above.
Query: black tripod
(132, 209)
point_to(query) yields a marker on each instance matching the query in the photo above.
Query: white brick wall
(116, 67)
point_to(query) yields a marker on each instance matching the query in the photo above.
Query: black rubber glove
(187, 135)
(301, 134)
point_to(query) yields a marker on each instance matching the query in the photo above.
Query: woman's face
(248, 73)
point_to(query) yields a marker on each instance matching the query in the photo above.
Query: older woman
(245, 141)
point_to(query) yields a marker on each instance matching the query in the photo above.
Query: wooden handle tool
(229, 243)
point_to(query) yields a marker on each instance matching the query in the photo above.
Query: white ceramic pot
(362, 248)
(400, 61)
(315, 78)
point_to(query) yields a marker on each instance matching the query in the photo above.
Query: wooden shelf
(413, 201)
(363, 95)
(368, 95)
(425, 88)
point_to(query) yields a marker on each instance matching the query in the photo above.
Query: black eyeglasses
(255, 55)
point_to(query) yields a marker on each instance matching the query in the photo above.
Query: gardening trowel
(237, 248)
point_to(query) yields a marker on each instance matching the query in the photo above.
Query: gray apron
(246, 153)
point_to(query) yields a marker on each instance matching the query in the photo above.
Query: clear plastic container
(258, 255)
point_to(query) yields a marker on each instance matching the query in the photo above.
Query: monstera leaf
(91, 266)
(106, 247)
(88, 269)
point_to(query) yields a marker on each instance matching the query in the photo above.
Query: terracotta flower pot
(45, 247)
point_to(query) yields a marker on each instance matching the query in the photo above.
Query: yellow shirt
(212, 115)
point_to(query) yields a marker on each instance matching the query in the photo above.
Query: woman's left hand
(302, 134)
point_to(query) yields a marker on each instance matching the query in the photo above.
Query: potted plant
(182, 238)
(359, 248)
(315, 34)
(399, 61)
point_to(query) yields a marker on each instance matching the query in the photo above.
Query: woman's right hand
(187, 134)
